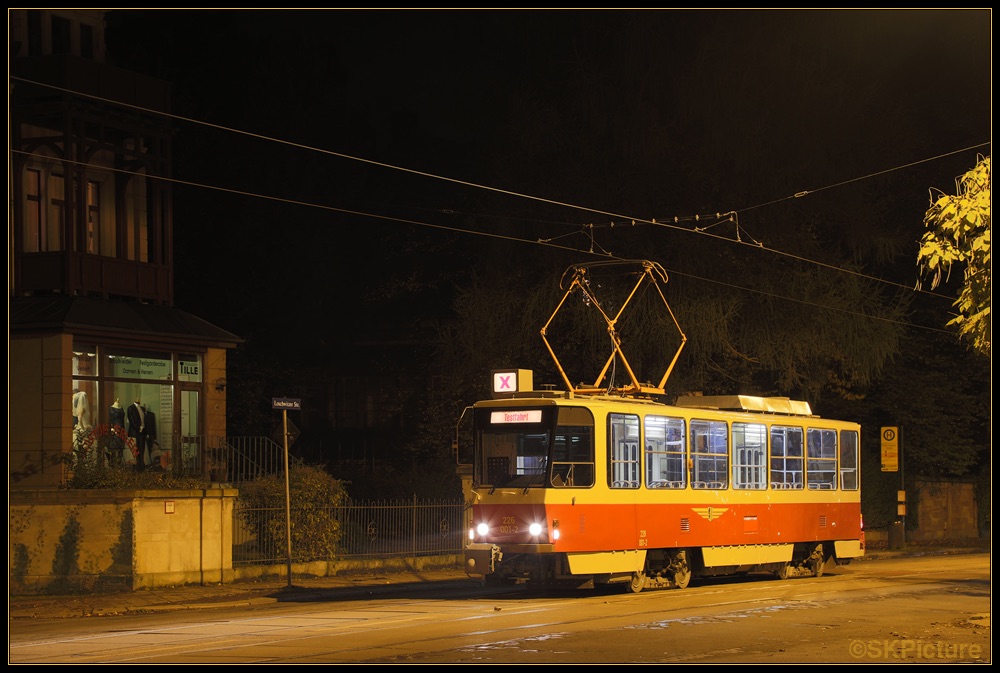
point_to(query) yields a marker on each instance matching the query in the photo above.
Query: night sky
(383, 192)
(657, 114)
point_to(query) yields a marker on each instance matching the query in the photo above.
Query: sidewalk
(236, 594)
(194, 597)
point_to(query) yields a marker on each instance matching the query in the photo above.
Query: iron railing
(354, 530)
(376, 529)
(223, 459)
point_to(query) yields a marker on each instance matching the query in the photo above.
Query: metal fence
(357, 530)
(222, 459)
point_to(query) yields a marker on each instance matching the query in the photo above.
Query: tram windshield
(534, 448)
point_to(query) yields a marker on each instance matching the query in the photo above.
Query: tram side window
(849, 460)
(623, 451)
(709, 454)
(749, 456)
(664, 452)
(821, 465)
(786, 457)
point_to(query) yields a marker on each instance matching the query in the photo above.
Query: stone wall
(946, 510)
(80, 541)
(77, 541)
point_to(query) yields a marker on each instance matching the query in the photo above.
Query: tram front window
(515, 459)
(533, 448)
(573, 457)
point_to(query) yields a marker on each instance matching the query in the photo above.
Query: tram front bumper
(481, 559)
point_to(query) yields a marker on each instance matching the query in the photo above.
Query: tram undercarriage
(660, 568)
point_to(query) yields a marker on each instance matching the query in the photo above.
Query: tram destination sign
(286, 403)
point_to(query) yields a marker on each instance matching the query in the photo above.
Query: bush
(314, 496)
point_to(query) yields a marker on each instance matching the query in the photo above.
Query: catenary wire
(720, 217)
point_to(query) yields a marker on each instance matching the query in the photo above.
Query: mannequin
(149, 420)
(81, 409)
(137, 431)
(116, 416)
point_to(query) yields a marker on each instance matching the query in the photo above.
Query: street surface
(929, 609)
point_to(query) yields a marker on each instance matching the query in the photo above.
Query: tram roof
(776, 405)
(750, 403)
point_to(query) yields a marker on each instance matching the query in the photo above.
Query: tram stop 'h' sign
(890, 449)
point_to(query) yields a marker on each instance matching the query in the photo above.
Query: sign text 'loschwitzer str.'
(285, 403)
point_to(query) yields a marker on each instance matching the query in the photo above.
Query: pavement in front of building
(274, 590)
(202, 596)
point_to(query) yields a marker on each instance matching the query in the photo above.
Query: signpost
(890, 449)
(286, 403)
(892, 462)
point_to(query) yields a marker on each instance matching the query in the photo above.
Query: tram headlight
(535, 529)
(483, 529)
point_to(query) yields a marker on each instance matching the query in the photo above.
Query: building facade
(99, 356)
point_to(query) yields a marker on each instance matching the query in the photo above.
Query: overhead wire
(307, 204)
(546, 243)
(589, 228)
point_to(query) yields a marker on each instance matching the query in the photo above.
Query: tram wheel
(682, 578)
(637, 583)
(783, 572)
(680, 568)
(817, 562)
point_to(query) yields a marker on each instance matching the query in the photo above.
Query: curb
(177, 607)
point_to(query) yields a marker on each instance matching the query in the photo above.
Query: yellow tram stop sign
(890, 449)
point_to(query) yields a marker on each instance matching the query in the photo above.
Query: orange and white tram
(599, 489)
(599, 486)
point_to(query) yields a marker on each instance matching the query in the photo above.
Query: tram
(595, 485)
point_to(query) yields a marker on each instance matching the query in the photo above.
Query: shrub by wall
(312, 498)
